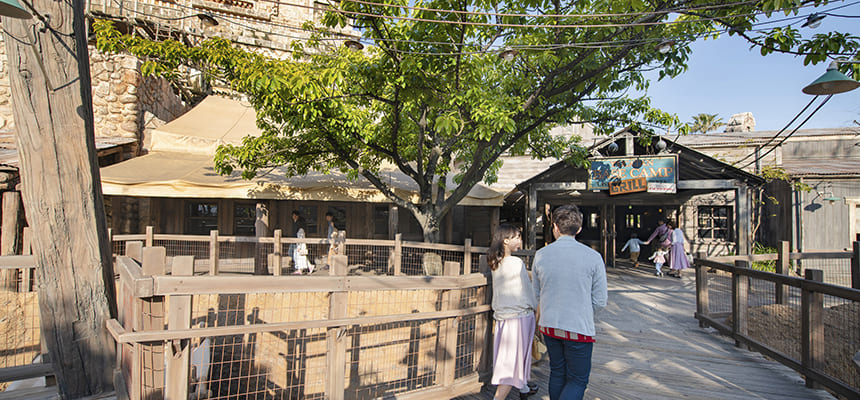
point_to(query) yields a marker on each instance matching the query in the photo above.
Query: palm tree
(706, 122)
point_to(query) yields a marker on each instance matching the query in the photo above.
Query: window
(380, 221)
(244, 220)
(633, 221)
(339, 218)
(715, 222)
(309, 213)
(202, 218)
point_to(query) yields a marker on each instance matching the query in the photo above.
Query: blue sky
(726, 77)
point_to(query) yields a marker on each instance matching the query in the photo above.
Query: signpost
(622, 175)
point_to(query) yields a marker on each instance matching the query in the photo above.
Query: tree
(705, 123)
(433, 99)
(52, 105)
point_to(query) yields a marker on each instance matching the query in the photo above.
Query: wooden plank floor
(649, 346)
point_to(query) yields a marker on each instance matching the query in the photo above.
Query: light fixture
(14, 9)
(832, 199)
(833, 81)
(661, 145)
(813, 20)
(613, 147)
(508, 54)
(206, 19)
(353, 45)
(665, 46)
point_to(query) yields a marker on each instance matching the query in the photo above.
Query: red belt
(566, 335)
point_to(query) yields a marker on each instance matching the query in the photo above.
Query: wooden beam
(705, 184)
(531, 219)
(812, 325)
(335, 336)
(558, 186)
(178, 358)
(742, 219)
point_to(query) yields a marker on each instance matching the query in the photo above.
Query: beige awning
(180, 164)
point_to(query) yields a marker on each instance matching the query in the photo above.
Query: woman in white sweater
(514, 305)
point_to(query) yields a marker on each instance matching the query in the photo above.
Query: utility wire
(789, 135)
(780, 131)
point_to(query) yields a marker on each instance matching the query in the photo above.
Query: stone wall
(125, 104)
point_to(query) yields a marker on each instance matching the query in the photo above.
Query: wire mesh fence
(837, 271)
(841, 322)
(19, 318)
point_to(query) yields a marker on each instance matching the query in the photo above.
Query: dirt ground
(779, 326)
(19, 326)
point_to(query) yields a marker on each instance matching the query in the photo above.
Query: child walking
(514, 304)
(634, 244)
(659, 258)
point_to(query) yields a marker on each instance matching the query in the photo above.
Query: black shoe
(532, 390)
(532, 386)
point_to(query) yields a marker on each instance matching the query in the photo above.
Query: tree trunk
(429, 222)
(52, 106)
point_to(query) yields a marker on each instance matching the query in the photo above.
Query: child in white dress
(659, 258)
(300, 256)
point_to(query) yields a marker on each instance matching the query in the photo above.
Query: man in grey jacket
(569, 280)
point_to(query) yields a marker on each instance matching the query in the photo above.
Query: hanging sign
(628, 186)
(660, 172)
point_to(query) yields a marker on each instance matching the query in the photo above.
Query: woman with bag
(678, 255)
(514, 305)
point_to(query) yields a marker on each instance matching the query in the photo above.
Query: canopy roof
(180, 164)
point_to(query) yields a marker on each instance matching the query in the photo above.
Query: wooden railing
(329, 336)
(810, 326)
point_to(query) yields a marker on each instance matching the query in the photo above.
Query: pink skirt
(512, 351)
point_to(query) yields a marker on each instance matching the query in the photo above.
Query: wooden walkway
(650, 347)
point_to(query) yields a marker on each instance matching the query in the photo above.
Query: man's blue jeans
(569, 368)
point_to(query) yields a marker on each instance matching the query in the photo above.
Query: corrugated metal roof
(9, 151)
(760, 137)
(809, 167)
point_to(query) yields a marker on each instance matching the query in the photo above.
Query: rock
(742, 122)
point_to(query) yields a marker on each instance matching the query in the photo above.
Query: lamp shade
(13, 9)
(832, 82)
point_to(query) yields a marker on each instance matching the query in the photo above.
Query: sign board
(660, 172)
(628, 186)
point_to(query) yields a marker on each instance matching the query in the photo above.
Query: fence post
(398, 252)
(275, 260)
(177, 362)
(484, 325)
(702, 300)
(149, 236)
(151, 382)
(783, 265)
(855, 266)
(27, 274)
(335, 336)
(812, 326)
(134, 250)
(740, 302)
(214, 252)
(467, 256)
(446, 347)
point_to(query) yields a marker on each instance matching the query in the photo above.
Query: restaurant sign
(660, 173)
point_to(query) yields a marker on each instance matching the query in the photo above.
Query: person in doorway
(514, 306)
(634, 244)
(569, 280)
(331, 235)
(659, 258)
(677, 254)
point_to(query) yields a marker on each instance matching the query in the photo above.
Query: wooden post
(9, 237)
(152, 319)
(52, 105)
(450, 327)
(812, 325)
(26, 280)
(275, 261)
(134, 250)
(740, 301)
(467, 256)
(484, 327)
(214, 252)
(150, 236)
(398, 254)
(742, 207)
(531, 219)
(335, 336)
(783, 266)
(393, 222)
(703, 306)
(855, 266)
(178, 354)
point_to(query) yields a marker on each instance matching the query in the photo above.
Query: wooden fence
(810, 326)
(333, 335)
